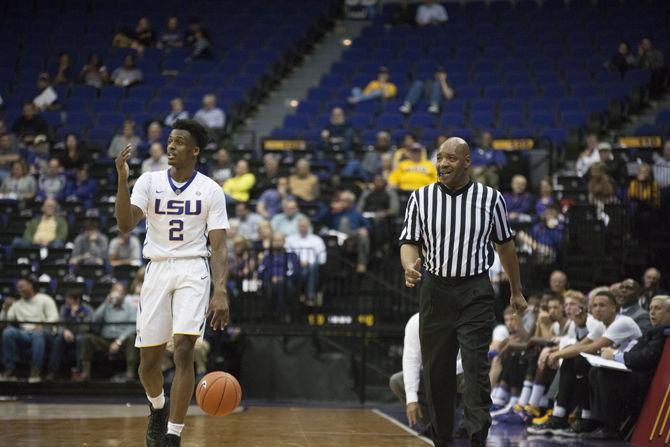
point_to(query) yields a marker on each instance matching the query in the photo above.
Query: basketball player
(182, 208)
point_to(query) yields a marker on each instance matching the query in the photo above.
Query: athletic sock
(174, 429)
(559, 411)
(536, 395)
(525, 393)
(500, 396)
(544, 402)
(157, 402)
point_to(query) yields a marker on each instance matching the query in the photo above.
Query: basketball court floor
(109, 425)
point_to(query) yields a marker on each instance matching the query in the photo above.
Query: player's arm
(218, 305)
(127, 215)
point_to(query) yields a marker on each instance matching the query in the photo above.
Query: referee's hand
(413, 274)
(518, 303)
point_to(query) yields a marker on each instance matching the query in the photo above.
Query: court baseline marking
(401, 425)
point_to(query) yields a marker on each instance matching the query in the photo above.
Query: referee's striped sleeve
(411, 231)
(502, 232)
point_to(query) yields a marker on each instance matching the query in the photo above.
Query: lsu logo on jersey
(178, 207)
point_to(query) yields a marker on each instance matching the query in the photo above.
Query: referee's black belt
(457, 280)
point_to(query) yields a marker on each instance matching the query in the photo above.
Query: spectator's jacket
(31, 229)
(645, 355)
(487, 157)
(411, 175)
(519, 203)
(390, 90)
(279, 264)
(551, 237)
(107, 313)
(640, 316)
(83, 314)
(81, 191)
(354, 219)
(239, 187)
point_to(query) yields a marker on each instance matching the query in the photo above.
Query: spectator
(270, 202)
(558, 282)
(409, 142)
(589, 156)
(519, 201)
(303, 184)
(601, 187)
(651, 282)
(29, 125)
(546, 237)
(431, 13)
(279, 271)
(120, 141)
(70, 333)
(171, 37)
(210, 115)
(94, 73)
(127, 74)
(153, 135)
(413, 173)
(113, 338)
(125, 249)
(661, 166)
(379, 88)
(338, 135)
(133, 296)
(264, 240)
(177, 112)
(239, 186)
(372, 159)
(380, 205)
(344, 218)
(202, 46)
(47, 229)
(63, 74)
(268, 174)
(546, 197)
(614, 165)
(648, 57)
(628, 299)
(221, 171)
(144, 33)
(387, 165)
(404, 14)
(246, 221)
(190, 35)
(37, 154)
(8, 155)
(242, 266)
(286, 222)
(81, 188)
(312, 253)
(157, 160)
(32, 307)
(622, 60)
(487, 162)
(139, 38)
(91, 247)
(47, 96)
(19, 185)
(435, 91)
(51, 183)
(644, 190)
(74, 155)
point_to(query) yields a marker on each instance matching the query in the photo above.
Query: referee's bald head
(458, 145)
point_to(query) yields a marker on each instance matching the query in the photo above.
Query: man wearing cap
(380, 87)
(615, 166)
(433, 90)
(90, 247)
(47, 95)
(414, 172)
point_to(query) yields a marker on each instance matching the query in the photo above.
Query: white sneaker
(506, 409)
(434, 108)
(406, 108)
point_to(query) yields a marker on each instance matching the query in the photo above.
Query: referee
(451, 226)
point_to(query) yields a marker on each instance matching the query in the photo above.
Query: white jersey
(179, 218)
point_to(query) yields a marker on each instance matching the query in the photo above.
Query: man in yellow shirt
(238, 187)
(380, 87)
(403, 152)
(413, 173)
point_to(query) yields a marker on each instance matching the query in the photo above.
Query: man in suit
(617, 395)
(628, 296)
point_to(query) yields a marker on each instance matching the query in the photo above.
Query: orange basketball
(218, 393)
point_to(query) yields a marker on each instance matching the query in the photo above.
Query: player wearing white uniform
(183, 208)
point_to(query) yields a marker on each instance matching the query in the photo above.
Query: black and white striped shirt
(456, 229)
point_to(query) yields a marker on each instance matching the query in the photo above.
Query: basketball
(218, 393)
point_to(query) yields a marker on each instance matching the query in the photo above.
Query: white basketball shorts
(173, 300)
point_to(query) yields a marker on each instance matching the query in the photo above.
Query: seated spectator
(91, 247)
(48, 229)
(268, 174)
(51, 183)
(648, 57)
(139, 38)
(387, 165)
(157, 160)
(312, 253)
(133, 297)
(94, 73)
(344, 218)
(242, 267)
(379, 204)
(47, 96)
(404, 14)
(8, 155)
(601, 187)
(614, 164)
(144, 33)
(81, 188)
(286, 222)
(651, 286)
(546, 237)
(435, 91)
(125, 249)
(239, 186)
(29, 125)
(379, 88)
(221, 171)
(120, 141)
(303, 184)
(153, 135)
(194, 25)
(270, 202)
(264, 240)
(210, 115)
(177, 112)
(558, 282)
(628, 297)
(63, 74)
(74, 155)
(622, 60)
(33, 307)
(545, 198)
(279, 271)
(519, 201)
(372, 158)
(202, 46)
(37, 154)
(127, 74)
(70, 334)
(512, 327)
(19, 185)
(487, 162)
(413, 173)
(171, 37)
(246, 221)
(409, 142)
(431, 13)
(589, 156)
(616, 396)
(338, 135)
(661, 166)
(643, 189)
(113, 338)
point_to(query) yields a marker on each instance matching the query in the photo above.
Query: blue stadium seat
(297, 122)
(573, 119)
(483, 105)
(101, 136)
(512, 105)
(482, 120)
(389, 120)
(452, 119)
(648, 129)
(130, 106)
(84, 92)
(568, 104)
(663, 119)
(360, 120)
(419, 120)
(512, 119)
(496, 92)
(542, 119)
(104, 105)
(556, 136)
(596, 104)
(110, 119)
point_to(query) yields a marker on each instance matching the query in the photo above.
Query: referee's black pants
(456, 312)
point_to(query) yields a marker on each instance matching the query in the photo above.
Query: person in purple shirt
(82, 188)
(519, 201)
(279, 270)
(546, 237)
(344, 218)
(487, 162)
(546, 197)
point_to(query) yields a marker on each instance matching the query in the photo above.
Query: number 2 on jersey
(176, 228)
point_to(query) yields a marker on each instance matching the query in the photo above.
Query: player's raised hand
(413, 274)
(218, 309)
(122, 162)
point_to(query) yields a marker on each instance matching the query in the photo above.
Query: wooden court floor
(94, 425)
